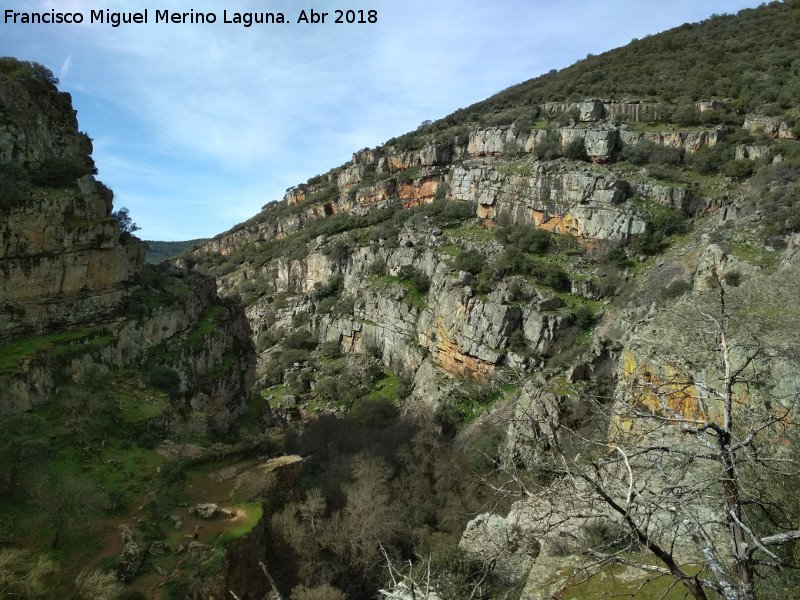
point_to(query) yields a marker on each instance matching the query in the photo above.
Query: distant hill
(163, 250)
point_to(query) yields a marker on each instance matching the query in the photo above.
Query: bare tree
(682, 474)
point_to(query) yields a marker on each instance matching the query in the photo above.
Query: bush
(648, 152)
(126, 224)
(547, 149)
(584, 316)
(418, 280)
(576, 149)
(301, 339)
(739, 169)
(320, 592)
(148, 439)
(558, 280)
(706, 160)
(517, 341)
(164, 379)
(14, 185)
(676, 289)
(732, 278)
(58, 172)
(470, 261)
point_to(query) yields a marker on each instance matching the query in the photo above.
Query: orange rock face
(451, 358)
(418, 193)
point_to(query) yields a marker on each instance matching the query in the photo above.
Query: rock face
(67, 270)
(494, 170)
(39, 123)
(63, 260)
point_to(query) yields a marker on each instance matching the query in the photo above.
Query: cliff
(73, 287)
(522, 278)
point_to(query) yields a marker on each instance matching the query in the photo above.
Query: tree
(685, 473)
(126, 224)
(23, 450)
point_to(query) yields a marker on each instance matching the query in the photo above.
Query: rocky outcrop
(771, 127)
(67, 270)
(63, 260)
(38, 123)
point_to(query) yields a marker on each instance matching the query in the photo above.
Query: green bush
(584, 316)
(164, 379)
(62, 171)
(558, 280)
(676, 289)
(576, 149)
(14, 185)
(470, 261)
(300, 339)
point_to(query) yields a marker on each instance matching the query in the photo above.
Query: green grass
(756, 255)
(11, 355)
(470, 233)
(254, 513)
(204, 326)
(451, 250)
(416, 298)
(390, 388)
(228, 361)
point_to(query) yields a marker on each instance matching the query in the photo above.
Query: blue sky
(196, 126)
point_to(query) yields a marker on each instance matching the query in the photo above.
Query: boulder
(205, 510)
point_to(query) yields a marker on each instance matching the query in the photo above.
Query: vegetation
(160, 251)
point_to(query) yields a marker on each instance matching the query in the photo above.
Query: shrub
(14, 185)
(470, 261)
(584, 316)
(732, 278)
(576, 149)
(676, 289)
(320, 592)
(126, 224)
(164, 379)
(547, 149)
(418, 280)
(739, 169)
(517, 341)
(558, 280)
(62, 171)
(301, 339)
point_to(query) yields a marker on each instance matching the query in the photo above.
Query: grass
(756, 255)
(76, 222)
(386, 388)
(416, 298)
(204, 326)
(254, 513)
(11, 355)
(451, 250)
(470, 233)
(618, 581)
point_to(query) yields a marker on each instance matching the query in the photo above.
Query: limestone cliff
(427, 260)
(74, 288)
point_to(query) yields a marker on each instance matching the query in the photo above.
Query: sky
(196, 126)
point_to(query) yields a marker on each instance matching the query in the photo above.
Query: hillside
(102, 359)
(544, 257)
(544, 347)
(158, 251)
